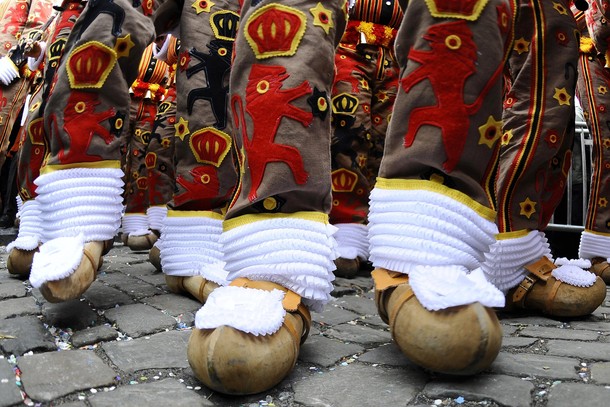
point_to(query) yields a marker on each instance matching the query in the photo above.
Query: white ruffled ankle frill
(30, 227)
(135, 224)
(81, 200)
(189, 245)
(77, 206)
(505, 263)
(423, 229)
(295, 251)
(352, 241)
(156, 216)
(594, 245)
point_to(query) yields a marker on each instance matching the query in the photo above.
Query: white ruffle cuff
(189, 246)
(593, 245)
(156, 215)
(135, 224)
(352, 241)
(296, 253)
(505, 262)
(436, 240)
(81, 200)
(30, 227)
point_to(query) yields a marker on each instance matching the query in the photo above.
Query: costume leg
(30, 157)
(363, 94)
(276, 237)
(535, 159)
(160, 155)
(80, 186)
(33, 148)
(190, 251)
(431, 219)
(593, 79)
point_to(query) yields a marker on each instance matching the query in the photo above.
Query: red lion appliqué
(447, 66)
(267, 103)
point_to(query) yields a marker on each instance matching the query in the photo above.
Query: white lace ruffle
(417, 227)
(253, 311)
(443, 287)
(504, 263)
(293, 252)
(189, 246)
(30, 227)
(81, 200)
(156, 215)
(593, 245)
(135, 224)
(574, 275)
(352, 241)
(57, 259)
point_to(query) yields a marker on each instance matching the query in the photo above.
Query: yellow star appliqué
(562, 96)
(602, 90)
(521, 45)
(490, 132)
(560, 8)
(322, 17)
(528, 208)
(507, 137)
(201, 6)
(123, 46)
(182, 128)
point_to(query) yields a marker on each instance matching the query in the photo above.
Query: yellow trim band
(516, 234)
(247, 219)
(413, 184)
(477, 8)
(597, 233)
(94, 164)
(194, 214)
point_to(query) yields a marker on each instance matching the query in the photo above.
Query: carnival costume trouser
(146, 93)
(534, 161)
(19, 20)
(80, 185)
(592, 87)
(33, 147)
(363, 95)
(276, 239)
(205, 173)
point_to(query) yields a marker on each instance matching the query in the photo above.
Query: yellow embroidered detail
(528, 208)
(562, 96)
(123, 46)
(275, 30)
(210, 145)
(322, 17)
(466, 9)
(95, 164)
(89, 65)
(490, 132)
(182, 128)
(202, 6)
(247, 219)
(194, 214)
(521, 46)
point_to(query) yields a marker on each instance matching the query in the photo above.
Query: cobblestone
(124, 344)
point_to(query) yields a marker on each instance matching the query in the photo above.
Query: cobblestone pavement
(124, 344)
